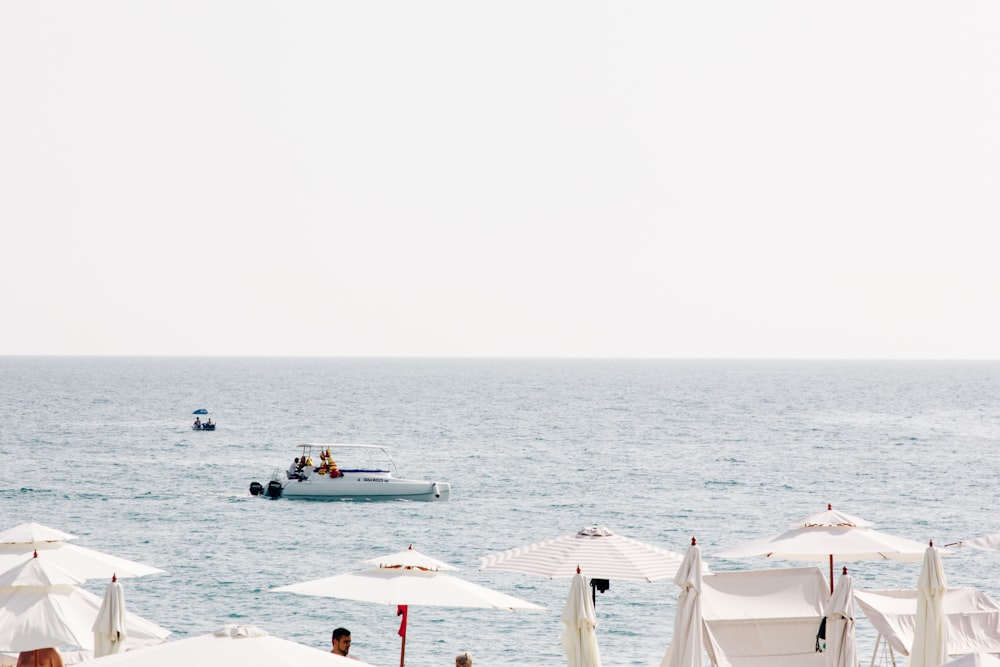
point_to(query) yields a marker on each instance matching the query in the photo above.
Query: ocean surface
(660, 451)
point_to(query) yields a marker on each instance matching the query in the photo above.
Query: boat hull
(363, 485)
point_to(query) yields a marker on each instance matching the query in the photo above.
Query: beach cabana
(758, 618)
(973, 619)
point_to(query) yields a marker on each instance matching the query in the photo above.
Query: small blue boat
(202, 425)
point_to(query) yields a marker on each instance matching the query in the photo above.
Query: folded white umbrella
(687, 645)
(41, 606)
(841, 643)
(579, 638)
(241, 645)
(930, 634)
(596, 551)
(828, 535)
(111, 626)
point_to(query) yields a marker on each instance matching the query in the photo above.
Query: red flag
(401, 611)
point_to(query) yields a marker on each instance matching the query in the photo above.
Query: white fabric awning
(764, 618)
(973, 618)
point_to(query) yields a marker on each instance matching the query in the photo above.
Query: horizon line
(481, 357)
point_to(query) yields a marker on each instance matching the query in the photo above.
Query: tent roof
(764, 618)
(973, 618)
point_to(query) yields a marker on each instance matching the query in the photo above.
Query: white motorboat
(346, 471)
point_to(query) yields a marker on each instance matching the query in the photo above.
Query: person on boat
(42, 657)
(463, 660)
(293, 470)
(197, 422)
(209, 422)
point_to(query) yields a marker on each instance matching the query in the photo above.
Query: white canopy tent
(764, 618)
(973, 619)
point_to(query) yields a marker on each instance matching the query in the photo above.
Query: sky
(626, 178)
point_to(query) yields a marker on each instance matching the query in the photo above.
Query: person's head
(463, 660)
(341, 641)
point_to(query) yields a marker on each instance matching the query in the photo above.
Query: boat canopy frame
(378, 457)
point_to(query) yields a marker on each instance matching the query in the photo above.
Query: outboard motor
(256, 488)
(274, 489)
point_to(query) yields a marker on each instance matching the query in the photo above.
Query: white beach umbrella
(111, 627)
(930, 634)
(597, 551)
(579, 638)
(246, 646)
(41, 606)
(406, 586)
(986, 542)
(687, 645)
(828, 535)
(408, 578)
(33, 533)
(19, 543)
(841, 644)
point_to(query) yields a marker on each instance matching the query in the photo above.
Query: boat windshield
(351, 458)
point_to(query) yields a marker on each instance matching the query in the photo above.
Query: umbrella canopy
(246, 646)
(597, 551)
(398, 586)
(45, 608)
(18, 544)
(408, 578)
(829, 535)
(579, 638)
(841, 645)
(409, 558)
(33, 533)
(930, 635)
(986, 542)
(687, 646)
(110, 626)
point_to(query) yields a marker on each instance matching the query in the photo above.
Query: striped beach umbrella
(598, 552)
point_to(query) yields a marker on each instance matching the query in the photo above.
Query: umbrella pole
(831, 574)
(402, 651)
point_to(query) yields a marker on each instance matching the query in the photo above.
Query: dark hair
(341, 632)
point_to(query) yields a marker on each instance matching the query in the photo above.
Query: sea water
(660, 451)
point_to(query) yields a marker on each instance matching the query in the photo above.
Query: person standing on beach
(342, 642)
